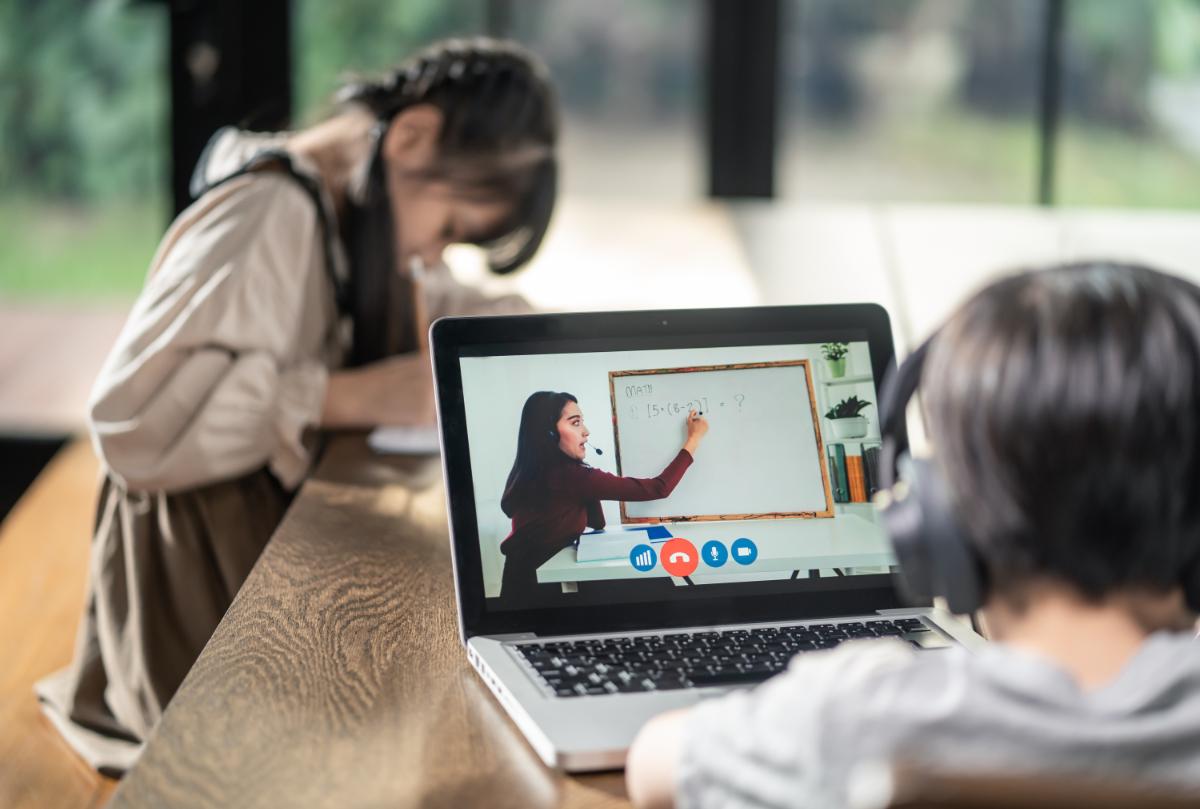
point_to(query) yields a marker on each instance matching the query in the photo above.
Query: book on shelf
(871, 469)
(854, 474)
(838, 480)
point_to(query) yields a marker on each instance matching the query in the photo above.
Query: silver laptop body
(482, 370)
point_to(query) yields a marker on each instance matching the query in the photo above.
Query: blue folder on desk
(599, 546)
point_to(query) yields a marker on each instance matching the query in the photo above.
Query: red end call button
(679, 557)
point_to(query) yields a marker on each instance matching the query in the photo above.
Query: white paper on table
(404, 440)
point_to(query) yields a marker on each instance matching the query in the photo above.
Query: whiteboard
(763, 456)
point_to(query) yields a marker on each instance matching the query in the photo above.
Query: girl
(551, 494)
(291, 297)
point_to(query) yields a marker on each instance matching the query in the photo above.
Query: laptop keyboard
(598, 666)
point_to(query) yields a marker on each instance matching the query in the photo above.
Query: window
(336, 39)
(629, 78)
(909, 100)
(1131, 104)
(83, 147)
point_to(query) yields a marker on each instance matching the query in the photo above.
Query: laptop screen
(664, 474)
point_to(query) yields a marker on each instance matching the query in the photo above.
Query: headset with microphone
(552, 434)
(935, 555)
(933, 552)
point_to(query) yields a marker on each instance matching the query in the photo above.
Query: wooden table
(44, 551)
(337, 677)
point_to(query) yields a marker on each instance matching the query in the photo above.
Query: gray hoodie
(798, 740)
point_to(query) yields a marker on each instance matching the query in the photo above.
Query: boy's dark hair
(1064, 409)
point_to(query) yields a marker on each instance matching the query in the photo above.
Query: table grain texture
(337, 677)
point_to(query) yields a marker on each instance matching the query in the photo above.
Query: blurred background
(713, 133)
(714, 152)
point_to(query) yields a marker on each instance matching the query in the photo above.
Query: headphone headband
(898, 389)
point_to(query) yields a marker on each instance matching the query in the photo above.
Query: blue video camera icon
(744, 551)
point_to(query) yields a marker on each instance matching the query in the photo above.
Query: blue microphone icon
(714, 553)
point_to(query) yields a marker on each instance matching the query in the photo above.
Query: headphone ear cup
(932, 550)
(903, 523)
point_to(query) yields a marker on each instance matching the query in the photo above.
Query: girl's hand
(392, 391)
(697, 427)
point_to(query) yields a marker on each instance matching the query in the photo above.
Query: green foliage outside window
(84, 104)
(83, 146)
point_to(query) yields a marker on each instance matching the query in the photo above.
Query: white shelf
(857, 379)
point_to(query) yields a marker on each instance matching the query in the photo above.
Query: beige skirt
(164, 569)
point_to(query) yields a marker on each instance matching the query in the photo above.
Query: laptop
(707, 570)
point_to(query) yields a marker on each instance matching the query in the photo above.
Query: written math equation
(681, 407)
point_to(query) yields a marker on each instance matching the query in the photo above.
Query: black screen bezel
(452, 338)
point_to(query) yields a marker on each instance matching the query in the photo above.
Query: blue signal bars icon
(643, 558)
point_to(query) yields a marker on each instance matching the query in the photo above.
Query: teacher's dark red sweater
(571, 501)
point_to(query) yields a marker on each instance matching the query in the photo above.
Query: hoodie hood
(231, 151)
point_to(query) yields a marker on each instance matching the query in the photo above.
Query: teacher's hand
(697, 427)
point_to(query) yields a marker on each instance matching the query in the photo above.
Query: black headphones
(932, 550)
(934, 553)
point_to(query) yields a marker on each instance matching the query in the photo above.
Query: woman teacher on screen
(552, 495)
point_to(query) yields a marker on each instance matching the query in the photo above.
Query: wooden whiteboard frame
(828, 511)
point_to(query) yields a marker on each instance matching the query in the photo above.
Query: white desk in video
(852, 540)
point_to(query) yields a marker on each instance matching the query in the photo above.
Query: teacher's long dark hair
(537, 446)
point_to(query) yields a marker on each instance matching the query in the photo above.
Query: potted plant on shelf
(835, 358)
(847, 419)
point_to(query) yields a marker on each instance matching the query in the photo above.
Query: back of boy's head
(1064, 410)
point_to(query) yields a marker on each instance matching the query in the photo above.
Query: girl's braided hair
(499, 128)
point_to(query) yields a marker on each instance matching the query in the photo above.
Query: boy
(1064, 412)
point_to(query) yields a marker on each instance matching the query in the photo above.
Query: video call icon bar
(680, 557)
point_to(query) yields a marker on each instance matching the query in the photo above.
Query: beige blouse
(223, 362)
